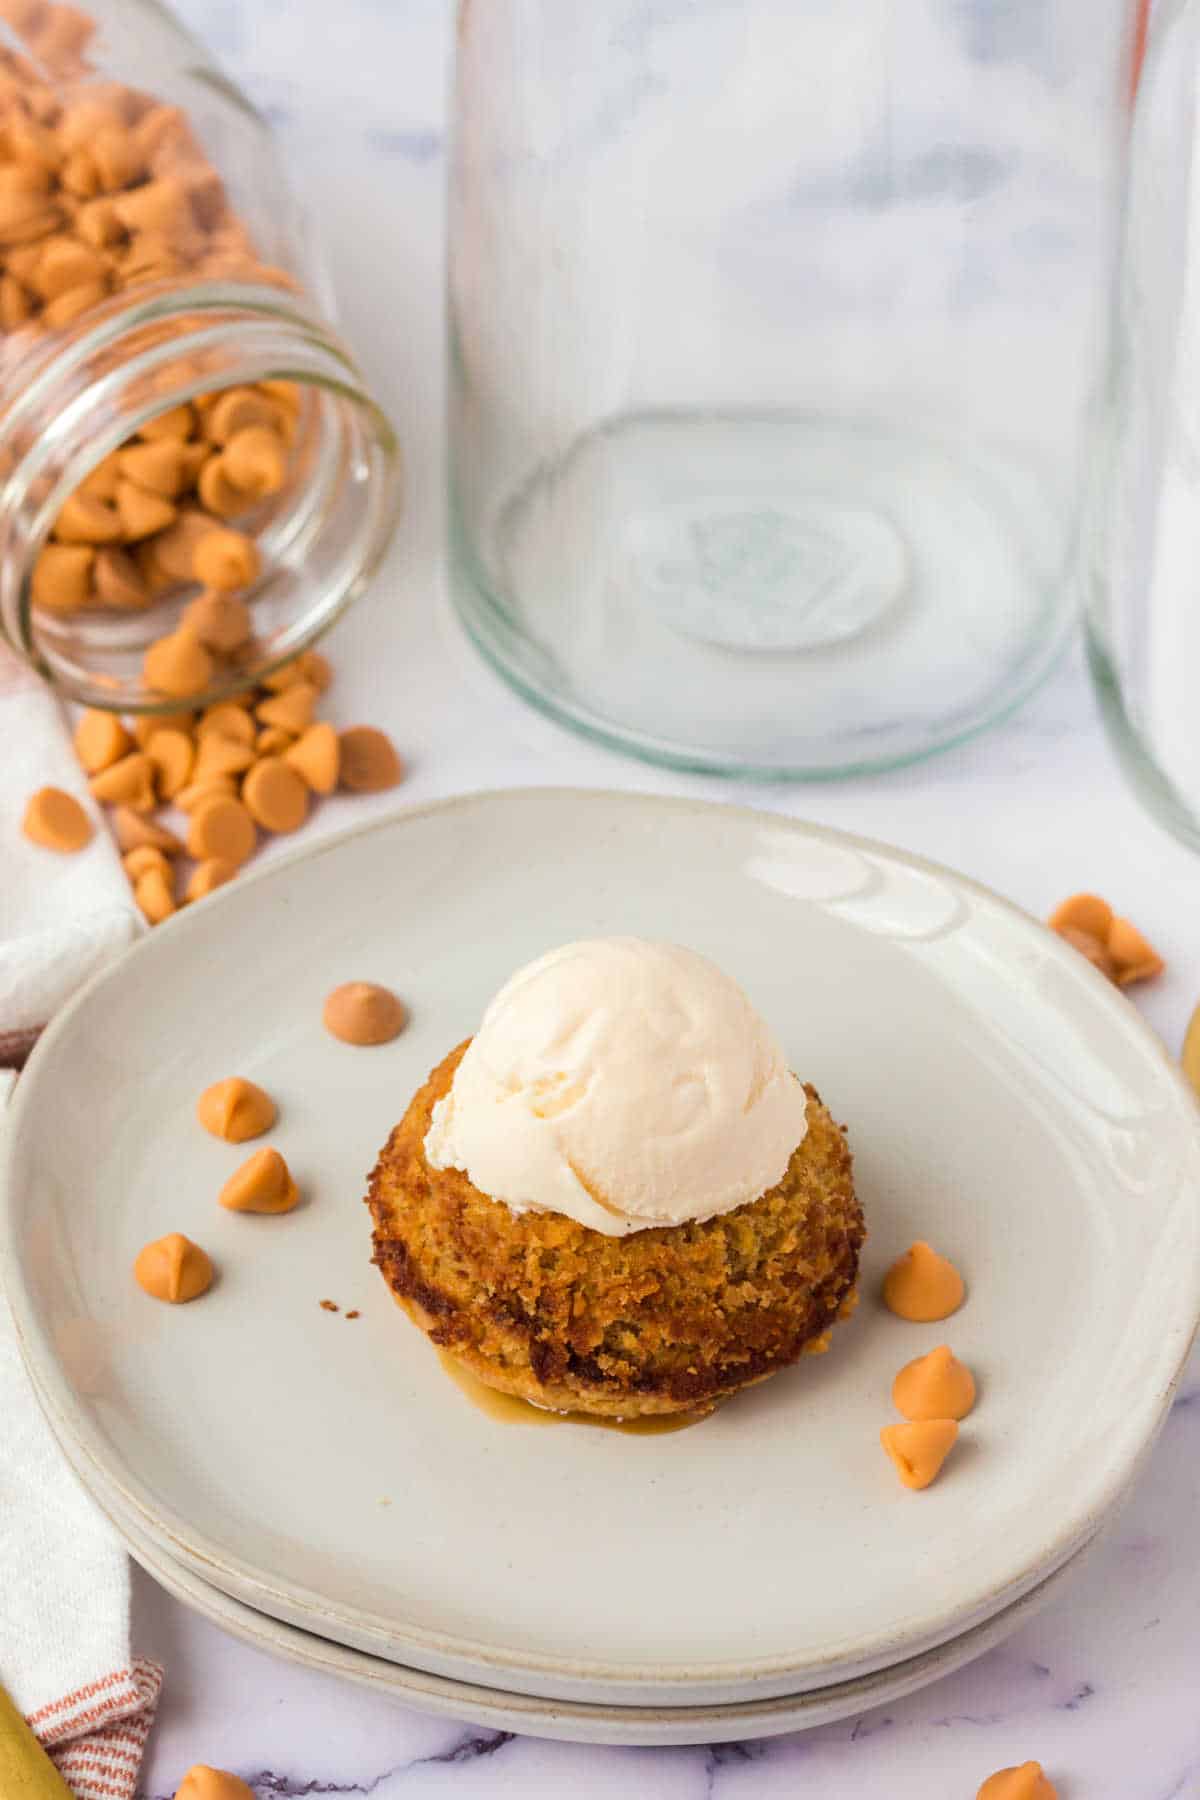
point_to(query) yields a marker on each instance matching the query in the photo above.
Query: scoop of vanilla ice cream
(624, 1084)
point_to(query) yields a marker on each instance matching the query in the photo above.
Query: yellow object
(174, 1269)
(236, 1109)
(263, 1184)
(919, 1450)
(204, 1783)
(1025, 1782)
(923, 1286)
(936, 1386)
(26, 1772)
(1190, 1055)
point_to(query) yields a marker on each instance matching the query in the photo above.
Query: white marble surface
(1103, 1687)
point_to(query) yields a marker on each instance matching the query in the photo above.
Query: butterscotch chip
(176, 422)
(193, 456)
(101, 482)
(292, 710)
(158, 467)
(919, 1450)
(275, 795)
(362, 1012)
(85, 520)
(175, 548)
(16, 305)
(316, 669)
(118, 581)
(142, 513)
(256, 460)
(235, 410)
(316, 757)
(146, 724)
(152, 891)
(213, 787)
(272, 740)
(263, 1184)
(218, 492)
(223, 828)
(369, 762)
(97, 223)
(236, 1109)
(100, 740)
(65, 263)
(56, 820)
(309, 666)
(160, 207)
(173, 754)
(1022, 1781)
(73, 304)
(117, 157)
(173, 1268)
(226, 560)
(934, 1386)
(217, 754)
(207, 876)
(178, 665)
(139, 862)
(222, 621)
(923, 1286)
(226, 719)
(62, 576)
(133, 832)
(204, 1783)
(129, 782)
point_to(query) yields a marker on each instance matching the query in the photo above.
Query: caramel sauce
(509, 1410)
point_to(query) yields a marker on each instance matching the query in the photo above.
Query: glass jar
(153, 259)
(1142, 542)
(779, 331)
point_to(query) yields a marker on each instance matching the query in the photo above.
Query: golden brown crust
(664, 1320)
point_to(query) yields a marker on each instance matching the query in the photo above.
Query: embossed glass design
(779, 330)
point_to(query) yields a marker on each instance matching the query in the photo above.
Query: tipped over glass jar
(194, 479)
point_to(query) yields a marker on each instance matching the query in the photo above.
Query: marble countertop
(1102, 1686)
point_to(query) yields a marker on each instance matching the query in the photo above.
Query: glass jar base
(1138, 763)
(772, 595)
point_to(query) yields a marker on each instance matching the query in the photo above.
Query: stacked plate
(314, 1482)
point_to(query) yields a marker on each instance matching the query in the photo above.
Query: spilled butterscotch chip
(100, 740)
(923, 1286)
(1114, 945)
(1026, 1782)
(55, 820)
(936, 1386)
(1190, 1054)
(918, 1450)
(173, 1268)
(263, 1184)
(236, 1109)
(204, 1783)
(362, 1012)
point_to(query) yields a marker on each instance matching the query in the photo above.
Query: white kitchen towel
(65, 1655)
(62, 917)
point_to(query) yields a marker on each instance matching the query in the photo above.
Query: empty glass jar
(780, 331)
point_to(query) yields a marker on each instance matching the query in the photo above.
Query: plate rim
(252, 1587)
(772, 1715)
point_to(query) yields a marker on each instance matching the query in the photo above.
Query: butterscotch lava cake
(616, 1198)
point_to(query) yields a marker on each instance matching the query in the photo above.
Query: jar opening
(319, 530)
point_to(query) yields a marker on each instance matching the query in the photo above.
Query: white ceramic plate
(1003, 1101)
(576, 1722)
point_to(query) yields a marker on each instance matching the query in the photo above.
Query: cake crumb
(354, 1313)
(329, 1306)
